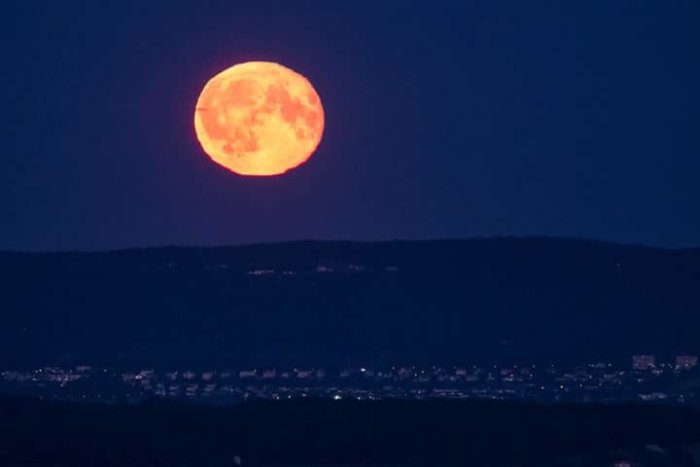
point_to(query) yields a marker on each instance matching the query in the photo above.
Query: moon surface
(259, 118)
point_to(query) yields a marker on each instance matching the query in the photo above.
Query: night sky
(468, 119)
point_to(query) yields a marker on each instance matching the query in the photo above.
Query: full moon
(259, 118)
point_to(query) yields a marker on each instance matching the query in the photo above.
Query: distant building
(260, 272)
(686, 362)
(643, 362)
(653, 396)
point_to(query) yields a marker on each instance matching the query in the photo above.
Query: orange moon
(259, 118)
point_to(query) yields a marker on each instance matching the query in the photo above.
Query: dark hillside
(428, 301)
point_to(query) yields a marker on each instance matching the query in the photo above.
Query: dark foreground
(34, 432)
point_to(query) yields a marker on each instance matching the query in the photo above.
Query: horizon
(367, 242)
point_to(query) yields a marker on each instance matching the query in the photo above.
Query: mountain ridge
(310, 302)
(314, 241)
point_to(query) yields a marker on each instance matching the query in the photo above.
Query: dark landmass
(341, 303)
(316, 432)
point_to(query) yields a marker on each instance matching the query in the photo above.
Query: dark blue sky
(442, 120)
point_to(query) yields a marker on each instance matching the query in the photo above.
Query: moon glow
(259, 118)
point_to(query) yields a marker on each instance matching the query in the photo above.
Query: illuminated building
(643, 362)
